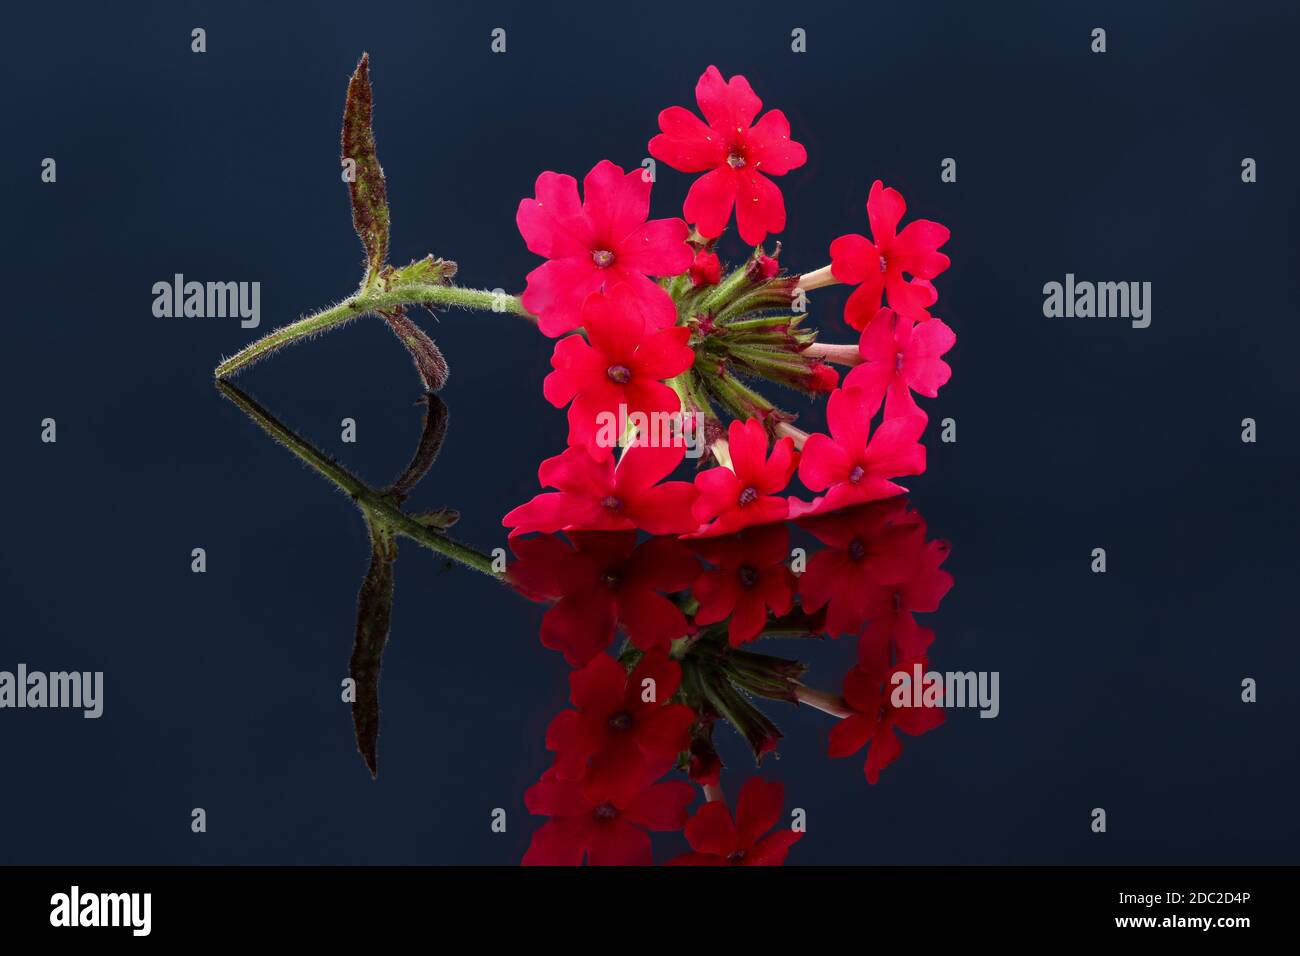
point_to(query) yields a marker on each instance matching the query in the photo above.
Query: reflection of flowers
(624, 724)
(608, 824)
(688, 665)
(750, 577)
(601, 581)
(868, 548)
(875, 718)
(718, 840)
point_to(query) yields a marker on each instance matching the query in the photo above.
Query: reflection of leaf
(435, 430)
(428, 357)
(374, 611)
(439, 520)
(369, 198)
(759, 732)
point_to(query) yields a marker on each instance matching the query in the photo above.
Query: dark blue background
(1118, 690)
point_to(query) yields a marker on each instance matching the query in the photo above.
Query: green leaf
(426, 271)
(366, 187)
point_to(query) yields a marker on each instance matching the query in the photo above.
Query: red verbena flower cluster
(658, 350)
(655, 343)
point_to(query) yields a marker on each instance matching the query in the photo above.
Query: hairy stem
(369, 299)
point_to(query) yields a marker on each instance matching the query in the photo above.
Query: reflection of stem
(369, 300)
(713, 793)
(378, 506)
(827, 703)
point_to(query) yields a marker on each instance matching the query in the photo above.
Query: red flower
(619, 373)
(706, 269)
(902, 356)
(751, 576)
(878, 267)
(624, 724)
(604, 581)
(592, 246)
(718, 841)
(606, 824)
(747, 495)
(867, 547)
(821, 378)
(854, 465)
(876, 717)
(597, 496)
(889, 607)
(736, 150)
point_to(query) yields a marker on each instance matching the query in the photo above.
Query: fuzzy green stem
(369, 300)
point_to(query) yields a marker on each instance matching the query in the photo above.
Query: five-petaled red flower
(876, 717)
(877, 268)
(605, 580)
(739, 154)
(867, 547)
(751, 576)
(617, 372)
(747, 493)
(854, 465)
(595, 495)
(606, 823)
(594, 245)
(901, 356)
(890, 606)
(624, 724)
(719, 841)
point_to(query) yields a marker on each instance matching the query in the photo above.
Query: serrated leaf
(366, 188)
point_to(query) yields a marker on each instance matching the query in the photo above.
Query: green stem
(369, 299)
(376, 506)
